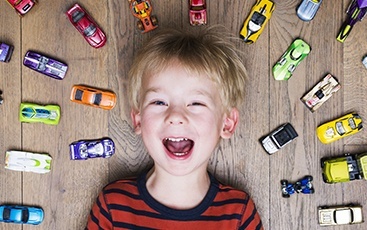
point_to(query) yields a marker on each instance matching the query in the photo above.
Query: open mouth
(179, 147)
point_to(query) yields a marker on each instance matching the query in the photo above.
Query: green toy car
(295, 53)
(32, 113)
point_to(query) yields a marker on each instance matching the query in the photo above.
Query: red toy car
(22, 6)
(86, 26)
(197, 12)
(142, 9)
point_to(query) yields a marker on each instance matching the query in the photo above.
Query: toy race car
(93, 97)
(31, 113)
(197, 12)
(302, 186)
(278, 138)
(321, 92)
(5, 52)
(19, 214)
(356, 12)
(142, 10)
(27, 161)
(344, 126)
(22, 6)
(256, 21)
(45, 65)
(307, 10)
(295, 53)
(344, 168)
(84, 149)
(340, 215)
(84, 23)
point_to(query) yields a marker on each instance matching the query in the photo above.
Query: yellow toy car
(346, 125)
(256, 21)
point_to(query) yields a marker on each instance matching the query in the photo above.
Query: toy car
(307, 10)
(356, 12)
(45, 65)
(142, 10)
(5, 52)
(302, 186)
(364, 61)
(1, 98)
(19, 214)
(197, 12)
(256, 21)
(344, 126)
(344, 168)
(93, 97)
(321, 92)
(47, 114)
(278, 138)
(27, 161)
(22, 6)
(84, 149)
(339, 215)
(295, 53)
(84, 23)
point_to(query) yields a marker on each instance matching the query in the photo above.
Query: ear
(136, 119)
(230, 123)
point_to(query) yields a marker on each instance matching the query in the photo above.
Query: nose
(175, 116)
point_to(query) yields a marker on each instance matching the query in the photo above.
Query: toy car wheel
(140, 25)
(312, 191)
(286, 195)
(154, 20)
(284, 183)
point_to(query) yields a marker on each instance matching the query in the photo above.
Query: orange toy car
(142, 9)
(93, 97)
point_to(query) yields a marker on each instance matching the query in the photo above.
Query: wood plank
(10, 127)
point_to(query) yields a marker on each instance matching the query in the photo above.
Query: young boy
(184, 93)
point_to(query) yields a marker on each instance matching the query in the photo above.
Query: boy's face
(181, 120)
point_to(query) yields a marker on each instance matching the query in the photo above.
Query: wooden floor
(67, 193)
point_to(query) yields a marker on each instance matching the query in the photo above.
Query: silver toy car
(307, 10)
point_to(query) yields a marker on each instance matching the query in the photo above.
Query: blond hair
(206, 53)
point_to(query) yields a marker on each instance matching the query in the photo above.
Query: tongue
(179, 146)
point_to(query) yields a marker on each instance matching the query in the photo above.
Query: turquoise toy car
(295, 53)
(31, 113)
(19, 214)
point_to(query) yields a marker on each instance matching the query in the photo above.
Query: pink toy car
(86, 26)
(197, 12)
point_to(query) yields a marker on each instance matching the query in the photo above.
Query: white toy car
(27, 161)
(339, 215)
(321, 92)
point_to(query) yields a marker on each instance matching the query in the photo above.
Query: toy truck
(345, 168)
(142, 10)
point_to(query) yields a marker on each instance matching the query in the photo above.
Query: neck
(178, 192)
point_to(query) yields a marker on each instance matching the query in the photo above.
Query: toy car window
(6, 214)
(28, 112)
(78, 94)
(282, 137)
(77, 15)
(258, 18)
(90, 30)
(25, 215)
(97, 99)
(42, 113)
(352, 124)
(339, 128)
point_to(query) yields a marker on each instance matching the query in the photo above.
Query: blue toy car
(5, 52)
(19, 214)
(302, 186)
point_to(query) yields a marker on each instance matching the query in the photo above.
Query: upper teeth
(176, 139)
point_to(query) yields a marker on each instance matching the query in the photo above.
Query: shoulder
(229, 192)
(120, 190)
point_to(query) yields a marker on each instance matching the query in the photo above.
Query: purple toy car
(5, 52)
(356, 12)
(84, 149)
(45, 65)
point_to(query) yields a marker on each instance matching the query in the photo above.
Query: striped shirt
(127, 204)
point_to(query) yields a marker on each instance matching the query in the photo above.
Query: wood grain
(69, 190)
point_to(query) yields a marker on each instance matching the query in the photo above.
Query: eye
(159, 103)
(196, 103)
